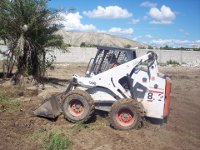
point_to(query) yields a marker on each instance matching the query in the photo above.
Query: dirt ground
(181, 132)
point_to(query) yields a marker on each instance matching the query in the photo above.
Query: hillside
(76, 38)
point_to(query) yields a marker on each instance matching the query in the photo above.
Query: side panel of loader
(150, 91)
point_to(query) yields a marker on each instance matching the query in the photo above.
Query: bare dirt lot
(20, 130)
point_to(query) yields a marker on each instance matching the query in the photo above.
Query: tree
(166, 47)
(29, 27)
(127, 46)
(83, 44)
(150, 47)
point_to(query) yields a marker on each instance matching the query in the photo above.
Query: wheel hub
(126, 115)
(78, 106)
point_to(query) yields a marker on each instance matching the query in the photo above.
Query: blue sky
(159, 22)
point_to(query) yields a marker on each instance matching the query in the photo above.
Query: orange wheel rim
(76, 107)
(125, 117)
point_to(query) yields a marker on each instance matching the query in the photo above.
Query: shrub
(127, 46)
(173, 62)
(83, 44)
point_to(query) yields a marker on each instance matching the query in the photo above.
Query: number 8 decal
(150, 95)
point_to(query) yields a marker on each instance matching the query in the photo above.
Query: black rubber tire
(85, 99)
(130, 105)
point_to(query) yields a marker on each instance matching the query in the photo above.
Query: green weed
(52, 139)
(57, 141)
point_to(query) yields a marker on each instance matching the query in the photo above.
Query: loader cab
(108, 57)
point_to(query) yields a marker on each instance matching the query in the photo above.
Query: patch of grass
(57, 141)
(173, 62)
(8, 105)
(52, 139)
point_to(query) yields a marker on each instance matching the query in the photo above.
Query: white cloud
(197, 41)
(163, 16)
(134, 21)
(148, 36)
(111, 12)
(174, 42)
(169, 41)
(148, 4)
(72, 21)
(116, 30)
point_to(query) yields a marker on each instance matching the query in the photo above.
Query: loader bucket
(50, 108)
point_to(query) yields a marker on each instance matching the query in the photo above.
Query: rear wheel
(126, 114)
(78, 106)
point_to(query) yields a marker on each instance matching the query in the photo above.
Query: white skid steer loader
(127, 87)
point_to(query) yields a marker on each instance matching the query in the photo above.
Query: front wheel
(78, 106)
(126, 114)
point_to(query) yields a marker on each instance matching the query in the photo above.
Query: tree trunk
(10, 64)
(35, 66)
(21, 71)
(22, 61)
(44, 63)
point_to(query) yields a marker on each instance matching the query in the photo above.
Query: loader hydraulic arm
(110, 78)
